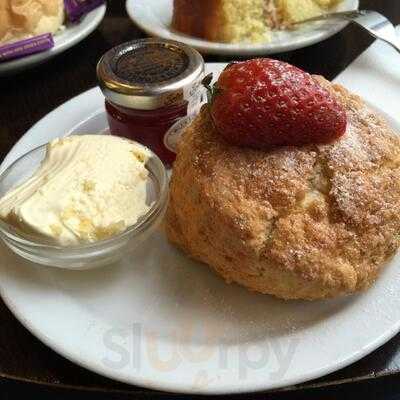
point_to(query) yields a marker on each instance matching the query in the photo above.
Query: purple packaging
(75, 9)
(26, 47)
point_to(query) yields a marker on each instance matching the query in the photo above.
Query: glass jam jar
(151, 86)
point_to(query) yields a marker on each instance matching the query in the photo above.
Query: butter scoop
(87, 188)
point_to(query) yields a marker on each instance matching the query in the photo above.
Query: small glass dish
(91, 255)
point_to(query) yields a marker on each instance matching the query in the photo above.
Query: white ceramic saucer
(162, 321)
(155, 16)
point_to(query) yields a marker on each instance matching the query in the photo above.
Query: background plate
(154, 17)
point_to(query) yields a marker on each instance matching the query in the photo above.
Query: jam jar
(152, 89)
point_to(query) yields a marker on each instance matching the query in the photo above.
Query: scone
(20, 19)
(304, 222)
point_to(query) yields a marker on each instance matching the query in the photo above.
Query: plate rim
(244, 387)
(232, 49)
(15, 66)
(248, 387)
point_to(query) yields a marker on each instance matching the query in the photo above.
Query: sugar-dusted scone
(304, 222)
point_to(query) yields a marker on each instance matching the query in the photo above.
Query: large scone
(296, 222)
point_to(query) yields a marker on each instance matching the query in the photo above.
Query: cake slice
(234, 21)
(222, 20)
(298, 10)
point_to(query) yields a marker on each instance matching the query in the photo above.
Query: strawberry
(263, 103)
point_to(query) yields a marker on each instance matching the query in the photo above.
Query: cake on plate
(242, 20)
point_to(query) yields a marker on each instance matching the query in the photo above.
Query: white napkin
(375, 75)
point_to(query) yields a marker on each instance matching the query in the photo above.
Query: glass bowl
(91, 255)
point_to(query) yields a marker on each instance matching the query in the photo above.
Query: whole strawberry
(263, 103)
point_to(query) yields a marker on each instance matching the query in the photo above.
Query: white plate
(155, 16)
(165, 322)
(67, 38)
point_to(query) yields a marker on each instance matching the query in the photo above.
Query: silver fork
(373, 22)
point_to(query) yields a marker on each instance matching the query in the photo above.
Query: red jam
(152, 89)
(146, 127)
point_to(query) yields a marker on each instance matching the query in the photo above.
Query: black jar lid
(147, 74)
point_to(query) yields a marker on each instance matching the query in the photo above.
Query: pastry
(298, 222)
(242, 20)
(21, 19)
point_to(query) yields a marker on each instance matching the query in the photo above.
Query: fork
(373, 22)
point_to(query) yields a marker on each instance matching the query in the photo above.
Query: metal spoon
(373, 22)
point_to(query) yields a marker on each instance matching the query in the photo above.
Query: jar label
(171, 138)
(196, 96)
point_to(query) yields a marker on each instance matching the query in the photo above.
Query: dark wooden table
(27, 97)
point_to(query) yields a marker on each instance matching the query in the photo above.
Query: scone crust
(295, 222)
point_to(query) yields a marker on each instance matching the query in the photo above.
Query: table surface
(27, 97)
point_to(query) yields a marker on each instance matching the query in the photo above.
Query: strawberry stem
(212, 90)
(206, 82)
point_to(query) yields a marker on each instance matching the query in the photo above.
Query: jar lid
(147, 74)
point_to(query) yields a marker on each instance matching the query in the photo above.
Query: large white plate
(155, 16)
(72, 35)
(163, 321)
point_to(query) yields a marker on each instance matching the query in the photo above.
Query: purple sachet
(75, 9)
(26, 47)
